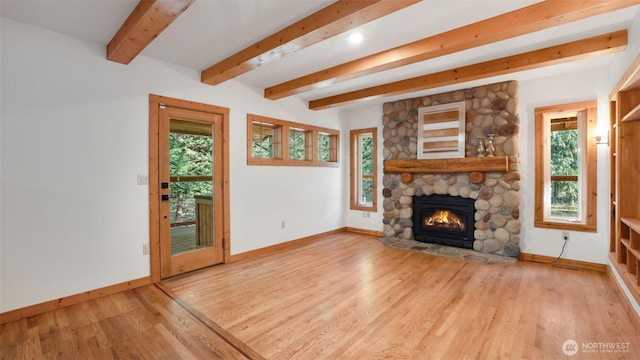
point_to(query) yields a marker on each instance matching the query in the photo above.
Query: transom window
(324, 147)
(566, 166)
(303, 144)
(296, 144)
(264, 140)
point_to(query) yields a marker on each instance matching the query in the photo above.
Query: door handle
(165, 197)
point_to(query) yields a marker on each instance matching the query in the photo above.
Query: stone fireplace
(492, 183)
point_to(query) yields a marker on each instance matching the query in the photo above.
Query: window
(296, 144)
(303, 144)
(265, 140)
(566, 166)
(324, 147)
(363, 147)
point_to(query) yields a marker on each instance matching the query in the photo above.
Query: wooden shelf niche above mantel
(456, 165)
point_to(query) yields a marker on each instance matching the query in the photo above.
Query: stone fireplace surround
(490, 109)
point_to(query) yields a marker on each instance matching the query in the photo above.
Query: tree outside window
(296, 144)
(565, 177)
(363, 169)
(189, 157)
(565, 170)
(276, 142)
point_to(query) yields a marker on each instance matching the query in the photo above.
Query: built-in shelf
(625, 219)
(627, 244)
(456, 165)
(632, 223)
(634, 114)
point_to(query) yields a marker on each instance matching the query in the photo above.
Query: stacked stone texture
(490, 109)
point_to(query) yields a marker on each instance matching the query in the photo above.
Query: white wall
(73, 137)
(621, 61)
(567, 88)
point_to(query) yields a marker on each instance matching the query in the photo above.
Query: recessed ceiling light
(355, 38)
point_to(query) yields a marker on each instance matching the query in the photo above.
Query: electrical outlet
(145, 249)
(282, 224)
(565, 235)
(143, 179)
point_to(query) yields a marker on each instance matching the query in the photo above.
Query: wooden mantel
(458, 165)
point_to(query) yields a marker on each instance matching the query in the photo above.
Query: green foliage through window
(296, 144)
(363, 183)
(189, 155)
(263, 139)
(366, 169)
(279, 142)
(564, 165)
(324, 150)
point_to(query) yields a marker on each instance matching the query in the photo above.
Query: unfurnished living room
(318, 179)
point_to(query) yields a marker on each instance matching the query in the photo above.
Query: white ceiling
(212, 30)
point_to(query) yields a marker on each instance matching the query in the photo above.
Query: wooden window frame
(354, 155)
(284, 128)
(276, 142)
(588, 222)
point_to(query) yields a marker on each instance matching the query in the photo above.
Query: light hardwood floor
(143, 323)
(343, 296)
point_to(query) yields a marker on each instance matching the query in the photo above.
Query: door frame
(155, 101)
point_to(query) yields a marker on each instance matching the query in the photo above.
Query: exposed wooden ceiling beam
(330, 21)
(516, 23)
(145, 23)
(577, 50)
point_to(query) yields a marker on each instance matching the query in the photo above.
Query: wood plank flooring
(344, 296)
(143, 323)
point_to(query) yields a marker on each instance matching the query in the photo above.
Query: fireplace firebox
(443, 219)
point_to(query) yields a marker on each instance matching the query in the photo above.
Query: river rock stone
(477, 245)
(406, 200)
(502, 235)
(511, 199)
(498, 221)
(512, 250)
(491, 246)
(406, 213)
(482, 205)
(513, 226)
(388, 204)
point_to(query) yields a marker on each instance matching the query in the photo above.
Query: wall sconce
(602, 140)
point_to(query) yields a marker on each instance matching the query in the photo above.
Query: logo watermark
(571, 347)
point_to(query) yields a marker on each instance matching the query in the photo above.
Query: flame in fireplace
(446, 220)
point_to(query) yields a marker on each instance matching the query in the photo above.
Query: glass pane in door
(191, 185)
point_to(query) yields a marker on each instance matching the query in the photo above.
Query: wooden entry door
(190, 221)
